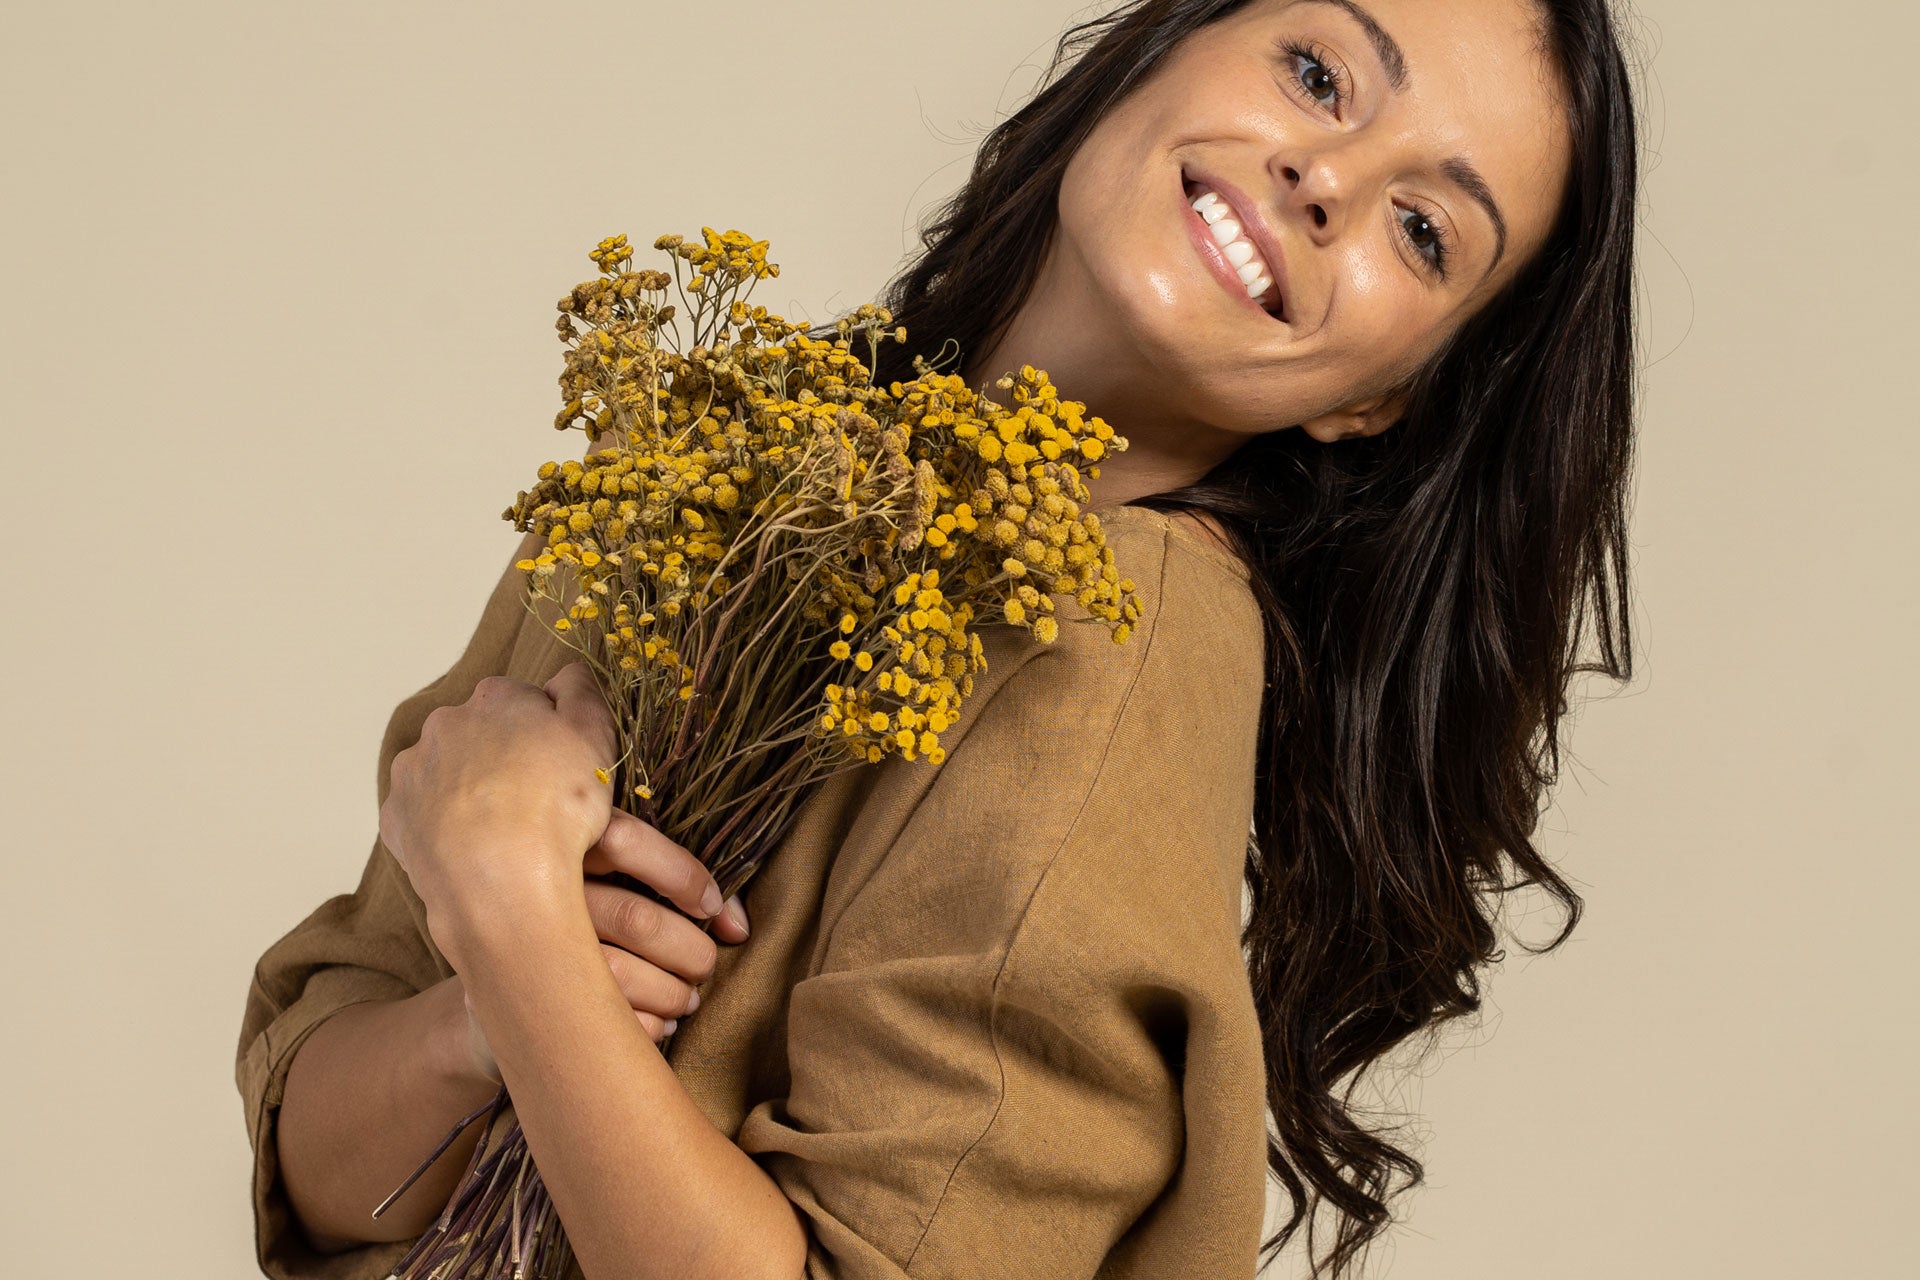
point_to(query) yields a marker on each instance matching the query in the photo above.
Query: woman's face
(1393, 163)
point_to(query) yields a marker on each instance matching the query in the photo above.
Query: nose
(1316, 190)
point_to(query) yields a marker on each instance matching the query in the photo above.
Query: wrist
(485, 923)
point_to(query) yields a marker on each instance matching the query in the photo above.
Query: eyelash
(1442, 246)
(1315, 54)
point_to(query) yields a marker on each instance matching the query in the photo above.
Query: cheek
(1383, 317)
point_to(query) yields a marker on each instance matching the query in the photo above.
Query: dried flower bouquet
(778, 570)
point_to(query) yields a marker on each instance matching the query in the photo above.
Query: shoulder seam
(1013, 939)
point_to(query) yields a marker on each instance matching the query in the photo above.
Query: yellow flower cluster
(766, 539)
(916, 691)
(1027, 500)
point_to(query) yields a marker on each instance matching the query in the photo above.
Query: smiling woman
(1354, 279)
(1391, 168)
(1421, 444)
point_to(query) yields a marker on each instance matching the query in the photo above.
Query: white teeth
(1240, 252)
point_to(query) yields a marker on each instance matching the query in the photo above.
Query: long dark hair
(1426, 595)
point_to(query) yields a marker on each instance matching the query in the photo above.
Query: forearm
(645, 1183)
(370, 1092)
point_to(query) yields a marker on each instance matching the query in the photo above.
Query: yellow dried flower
(750, 483)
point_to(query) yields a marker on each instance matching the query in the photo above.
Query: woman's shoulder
(1197, 533)
(1196, 618)
(1195, 592)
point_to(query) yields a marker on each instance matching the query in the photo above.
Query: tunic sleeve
(371, 944)
(1029, 1016)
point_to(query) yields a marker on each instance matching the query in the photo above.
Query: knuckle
(639, 920)
(491, 686)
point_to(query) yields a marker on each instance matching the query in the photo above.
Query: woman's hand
(497, 803)
(656, 954)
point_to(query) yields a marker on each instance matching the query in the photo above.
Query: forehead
(1477, 82)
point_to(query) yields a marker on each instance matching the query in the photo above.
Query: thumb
(577, 697)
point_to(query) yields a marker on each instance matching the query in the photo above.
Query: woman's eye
(1317, 78)
(1424, 235)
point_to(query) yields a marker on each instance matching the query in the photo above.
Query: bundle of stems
(778, 570)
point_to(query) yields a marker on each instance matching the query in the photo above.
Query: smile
(1225, 237)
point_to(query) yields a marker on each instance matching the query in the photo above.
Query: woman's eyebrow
(1460, 171)
(1456, 169)
(1385, 47)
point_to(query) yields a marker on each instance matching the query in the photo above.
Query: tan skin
(496, 816)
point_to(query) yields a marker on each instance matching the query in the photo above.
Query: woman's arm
(645, 1183)
(371, 1091)
(488, 814)
(378, 1084)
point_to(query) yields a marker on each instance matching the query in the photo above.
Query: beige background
(275, 350)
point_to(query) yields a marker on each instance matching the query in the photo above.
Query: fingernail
(671, 1024)
(693, 1003)
(738, 914)
(710, 901)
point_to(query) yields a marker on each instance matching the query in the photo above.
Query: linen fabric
(993, 1019)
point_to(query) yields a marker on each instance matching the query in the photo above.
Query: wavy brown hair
(1427, 594)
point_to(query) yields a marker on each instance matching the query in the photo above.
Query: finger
(648, 987)
(642, 851)
(656, 934)
(731, 924)
(576, 695)
(655, 1028)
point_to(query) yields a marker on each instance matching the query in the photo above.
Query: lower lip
(1203, 244)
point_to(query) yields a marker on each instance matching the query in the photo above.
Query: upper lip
(1247, 213)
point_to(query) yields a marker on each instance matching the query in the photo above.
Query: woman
(1354, 279)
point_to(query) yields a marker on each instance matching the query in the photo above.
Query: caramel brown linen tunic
(993, 1019)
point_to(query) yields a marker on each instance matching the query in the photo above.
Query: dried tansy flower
(777, 568)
